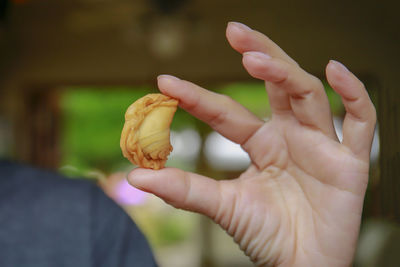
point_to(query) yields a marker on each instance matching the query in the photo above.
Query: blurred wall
(126, 41)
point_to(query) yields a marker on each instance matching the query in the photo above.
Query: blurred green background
(92, 121)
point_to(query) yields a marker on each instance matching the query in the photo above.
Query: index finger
(223, 114)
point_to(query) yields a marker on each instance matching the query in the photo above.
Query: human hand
(300, 202)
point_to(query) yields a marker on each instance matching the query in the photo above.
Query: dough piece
(145, 136)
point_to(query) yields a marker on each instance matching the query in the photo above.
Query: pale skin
(300, 202)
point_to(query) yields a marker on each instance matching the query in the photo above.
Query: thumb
(184, 190)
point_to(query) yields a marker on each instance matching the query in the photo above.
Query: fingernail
(167, 77)
(339, 66)
(240, 25)
(257, 55)
(137, 176)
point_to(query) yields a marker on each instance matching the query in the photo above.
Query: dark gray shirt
(49, 220)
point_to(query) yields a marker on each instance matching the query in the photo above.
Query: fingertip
(136, 172)
(170, 85)
(337, 66)
(167, 77)
(238, 26)
(255, 60)
(339, 71)
(263, 66)
(236, 34)
(141, 178)
(344, 82)
(167, 183)
(254, 63)
(336, 71)
(165, 81)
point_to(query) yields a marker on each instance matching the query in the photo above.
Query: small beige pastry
(145, 136)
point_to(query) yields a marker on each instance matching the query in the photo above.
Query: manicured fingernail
(137, 176)
(257, 55)
(339, 66)
(240, 25)
(166, 77)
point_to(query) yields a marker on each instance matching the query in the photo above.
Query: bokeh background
(70, 68)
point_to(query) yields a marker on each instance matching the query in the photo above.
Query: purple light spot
(125, 194)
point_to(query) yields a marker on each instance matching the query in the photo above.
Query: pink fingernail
(138, 176)
(257, 55)
(240, 25)
(167, 77)
(339, 66)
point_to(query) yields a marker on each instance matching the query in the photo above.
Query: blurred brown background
(48, 47)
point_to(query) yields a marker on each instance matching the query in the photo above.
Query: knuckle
(187, 189)
(220, 116)
(308, 86)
